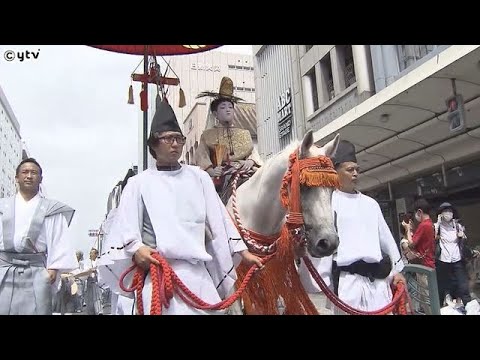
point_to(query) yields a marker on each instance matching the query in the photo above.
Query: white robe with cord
(180, 205)
(363, 235)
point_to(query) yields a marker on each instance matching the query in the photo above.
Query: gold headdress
(224, 93)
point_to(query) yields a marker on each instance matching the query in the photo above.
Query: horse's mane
(258, 176)
(289, 148)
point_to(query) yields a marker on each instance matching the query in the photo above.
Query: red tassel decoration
(143, 100)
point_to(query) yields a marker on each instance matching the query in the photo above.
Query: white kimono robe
(180, 205)
(364, 235)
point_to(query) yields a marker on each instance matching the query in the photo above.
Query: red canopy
(152, 50)
(160, 50)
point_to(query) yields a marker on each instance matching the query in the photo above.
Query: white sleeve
(226, 242)
(218, 218)
(388, 244)
(60, 249)
(125, 230)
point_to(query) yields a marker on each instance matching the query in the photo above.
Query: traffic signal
(456, 113)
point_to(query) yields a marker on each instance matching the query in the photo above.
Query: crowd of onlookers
(441, 245)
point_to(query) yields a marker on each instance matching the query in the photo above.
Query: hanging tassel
(158, 100)
(130, 95)
(181, 99)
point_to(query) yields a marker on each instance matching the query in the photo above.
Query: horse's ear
(331, 146)
(307, 143)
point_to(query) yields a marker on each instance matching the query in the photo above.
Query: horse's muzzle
(323, 247)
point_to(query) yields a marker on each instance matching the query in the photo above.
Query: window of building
(326, 68)
(312, 80)
(346, 68)
(409, 54)
(349, 72)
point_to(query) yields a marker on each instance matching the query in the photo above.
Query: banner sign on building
(93, 233)
(284, 113)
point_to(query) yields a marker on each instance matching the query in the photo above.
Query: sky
(71, 103)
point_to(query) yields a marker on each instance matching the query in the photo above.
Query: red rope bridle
(317, 171)
(165, 283)
(305, 171)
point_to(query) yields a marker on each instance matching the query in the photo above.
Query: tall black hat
(164, 119)
(345, 153)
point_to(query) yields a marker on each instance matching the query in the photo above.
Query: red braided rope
(165, 283)
(244, 232)
(398, 305)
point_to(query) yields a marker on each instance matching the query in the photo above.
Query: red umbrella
(146, 77)
(160, 50)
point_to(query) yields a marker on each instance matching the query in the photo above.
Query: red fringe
(278, 278)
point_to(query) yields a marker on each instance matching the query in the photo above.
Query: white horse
(260, 209)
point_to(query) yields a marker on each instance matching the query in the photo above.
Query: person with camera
(419, 247)
(421, 243)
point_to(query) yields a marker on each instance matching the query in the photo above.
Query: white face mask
(447, 216)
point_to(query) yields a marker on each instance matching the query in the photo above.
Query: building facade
(197, 73)
(11, 147)
(412, 111)
(303, 87)
(277, 88)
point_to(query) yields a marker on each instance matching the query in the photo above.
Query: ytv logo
(21, 56)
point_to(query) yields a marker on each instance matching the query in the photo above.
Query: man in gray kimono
(93, 296)
(34, 246)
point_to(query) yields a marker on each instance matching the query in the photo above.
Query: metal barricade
(423, 289)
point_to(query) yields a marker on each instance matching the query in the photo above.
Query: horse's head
(316, 202)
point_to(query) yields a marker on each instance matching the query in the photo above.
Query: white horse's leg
(321, 303)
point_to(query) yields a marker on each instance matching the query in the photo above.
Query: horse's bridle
(312, 172)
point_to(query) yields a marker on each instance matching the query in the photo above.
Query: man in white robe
(365, 240)
(34, 245)
(169, 209)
